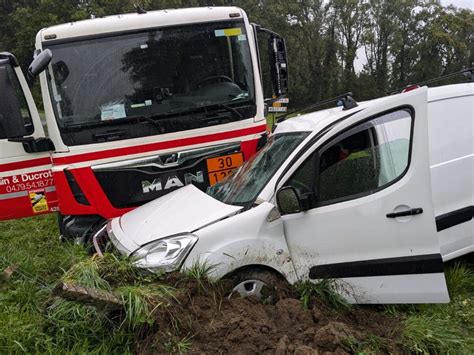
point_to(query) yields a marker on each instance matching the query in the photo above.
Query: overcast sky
(469, 4)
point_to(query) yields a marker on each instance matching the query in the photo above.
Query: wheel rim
(249, 288)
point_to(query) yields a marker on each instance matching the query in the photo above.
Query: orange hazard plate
(221, 167)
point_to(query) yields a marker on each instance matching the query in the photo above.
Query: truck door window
(25, 127)
(358, 162)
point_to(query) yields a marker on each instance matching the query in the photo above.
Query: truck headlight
(165, 254)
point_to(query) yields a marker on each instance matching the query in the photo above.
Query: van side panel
(452, 164)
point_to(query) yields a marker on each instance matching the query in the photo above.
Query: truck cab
(138, 105)
(26, 179)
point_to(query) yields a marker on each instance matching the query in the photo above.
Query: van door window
(365, 158)
(25, 127)
(358, 162)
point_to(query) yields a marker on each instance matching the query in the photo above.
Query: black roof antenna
(348, 102)
(140, 10)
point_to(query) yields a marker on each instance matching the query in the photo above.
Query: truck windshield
(152, 82)
(243, 187)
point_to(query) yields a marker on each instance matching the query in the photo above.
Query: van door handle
(411, 212)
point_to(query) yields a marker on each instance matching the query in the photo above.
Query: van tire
(263, 285)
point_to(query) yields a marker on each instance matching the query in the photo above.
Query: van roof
(315, 120)
(135, 21)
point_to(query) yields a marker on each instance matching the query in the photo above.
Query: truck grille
(134, 182)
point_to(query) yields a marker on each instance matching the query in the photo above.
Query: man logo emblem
(172, 181)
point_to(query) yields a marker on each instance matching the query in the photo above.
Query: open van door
(368, 218)
(26, 181)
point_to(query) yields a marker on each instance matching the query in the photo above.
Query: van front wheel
(263, 285)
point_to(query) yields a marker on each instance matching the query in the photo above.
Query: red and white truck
(136, 105)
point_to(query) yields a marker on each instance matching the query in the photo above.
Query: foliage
(404, 41)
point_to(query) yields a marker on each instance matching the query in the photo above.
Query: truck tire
(78, 229)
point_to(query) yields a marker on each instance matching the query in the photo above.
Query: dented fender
(244, 239)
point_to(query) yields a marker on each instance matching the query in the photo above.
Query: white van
(376, 196)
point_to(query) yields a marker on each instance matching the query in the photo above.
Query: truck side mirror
(278, 59)
(40, 62)
(278, 64)
(35, 145)
(11, 120)
(288, 201)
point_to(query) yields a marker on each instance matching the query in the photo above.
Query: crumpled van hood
(184, 210)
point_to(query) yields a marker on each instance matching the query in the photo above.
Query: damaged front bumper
(104, 240)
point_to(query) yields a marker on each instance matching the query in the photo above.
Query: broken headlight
(166, 254)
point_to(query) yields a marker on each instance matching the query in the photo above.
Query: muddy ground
(210, 323)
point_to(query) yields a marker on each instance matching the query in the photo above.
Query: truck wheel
(263, 285)
(78, 229)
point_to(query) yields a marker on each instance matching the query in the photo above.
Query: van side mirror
(11, 120)
(288, 201)
(40, 62)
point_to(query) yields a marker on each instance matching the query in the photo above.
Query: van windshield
(153, 82)
(243, 187)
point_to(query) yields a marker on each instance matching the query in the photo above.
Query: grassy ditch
(187, 312)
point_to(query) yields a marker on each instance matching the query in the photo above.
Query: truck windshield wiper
(148, 119)
(231, 109)
(84, 124)
(208, 108)
(155, 120)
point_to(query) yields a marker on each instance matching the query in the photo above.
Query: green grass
(32, 321)
(442, 328)
(178, 346)
(324, 291)
(200, 272)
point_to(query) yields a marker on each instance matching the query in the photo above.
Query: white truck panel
(130, 22)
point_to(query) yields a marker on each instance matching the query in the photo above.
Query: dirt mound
(207, 322)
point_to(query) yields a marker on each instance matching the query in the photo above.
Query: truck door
(368, 219)
(26, 182)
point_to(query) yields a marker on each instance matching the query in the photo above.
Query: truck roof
(135, 21)
(316, 121)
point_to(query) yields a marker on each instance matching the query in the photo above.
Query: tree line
(400, 41)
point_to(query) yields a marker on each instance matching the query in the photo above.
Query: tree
(351, 22)
(405, 41)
